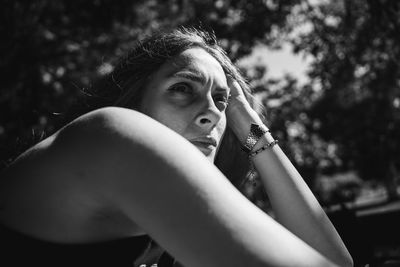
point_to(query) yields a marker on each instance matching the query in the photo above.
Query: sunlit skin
(189, 94)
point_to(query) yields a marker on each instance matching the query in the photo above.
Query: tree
(356, 70)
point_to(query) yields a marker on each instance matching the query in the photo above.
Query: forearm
(294, 204)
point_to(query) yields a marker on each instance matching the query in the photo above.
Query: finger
(235, 87)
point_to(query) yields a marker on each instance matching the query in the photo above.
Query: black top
(18, 249)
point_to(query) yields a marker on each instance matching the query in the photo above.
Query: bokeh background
(339, 123)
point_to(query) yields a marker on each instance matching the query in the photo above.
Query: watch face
(256, 131)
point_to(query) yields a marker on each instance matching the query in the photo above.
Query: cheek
(221, 126)
(170, 115)
(176, 121)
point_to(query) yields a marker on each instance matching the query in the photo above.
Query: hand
(237, 97)
(239, 113)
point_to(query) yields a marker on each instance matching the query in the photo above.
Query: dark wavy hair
(124, 86)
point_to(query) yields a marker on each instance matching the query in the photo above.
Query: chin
(211, 157)
(208, 151)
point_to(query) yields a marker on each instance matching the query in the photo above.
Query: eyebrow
(193, 76)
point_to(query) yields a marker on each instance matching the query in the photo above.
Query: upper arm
(167, 187)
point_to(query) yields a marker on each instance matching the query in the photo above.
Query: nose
(209, 115)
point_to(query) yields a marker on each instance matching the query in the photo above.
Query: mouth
(205, 144)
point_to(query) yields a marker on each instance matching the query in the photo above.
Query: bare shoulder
(108, 141)
(90, 140)
(101, 124)
(62, 180)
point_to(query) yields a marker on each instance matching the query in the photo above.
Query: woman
(140, 165)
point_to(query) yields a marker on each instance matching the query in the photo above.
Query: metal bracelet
(261, 149)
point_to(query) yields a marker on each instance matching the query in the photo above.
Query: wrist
(244, 115)
(257, 131)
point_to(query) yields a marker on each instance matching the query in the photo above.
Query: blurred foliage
(345, 118)
(357, 77)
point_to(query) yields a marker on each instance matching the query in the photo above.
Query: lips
(205, 144)
(206, 141)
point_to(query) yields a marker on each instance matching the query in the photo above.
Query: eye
(221, 100)
(182, 88)
(182, 93)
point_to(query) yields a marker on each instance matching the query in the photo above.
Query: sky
(283, 61)
(279, 62)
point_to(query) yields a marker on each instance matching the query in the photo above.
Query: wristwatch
(256, 132)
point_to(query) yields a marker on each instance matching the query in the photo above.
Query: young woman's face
(189, 94)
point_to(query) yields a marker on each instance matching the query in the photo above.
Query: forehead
(193, 56)
(196, 60)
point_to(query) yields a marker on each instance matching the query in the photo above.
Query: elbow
(349, 262)
(346, 262)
